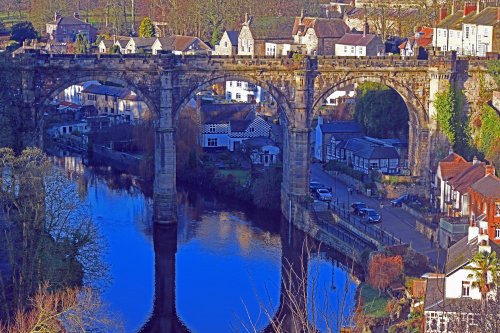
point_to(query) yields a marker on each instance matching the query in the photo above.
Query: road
(395, 220)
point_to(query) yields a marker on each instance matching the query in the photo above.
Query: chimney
(453, 7)
(76, 15)
(469, 8)
(498, 13)
(366, 30)
(56, 16)
(246, 17)
(450, 151)
(443, 12)
(478, 5)
(475, 160)
(490, 170)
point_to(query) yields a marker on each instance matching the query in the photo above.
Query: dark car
(399, 201)
(370, 215)
(357, 206)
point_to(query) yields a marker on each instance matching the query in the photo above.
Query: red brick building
(485, 205)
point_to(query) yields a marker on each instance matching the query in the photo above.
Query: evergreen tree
(147, 28)
(22, 31)
(82, 44)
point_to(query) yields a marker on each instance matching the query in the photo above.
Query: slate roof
(213, 113)
(341, 127)
(181, 43)
(488, 17)
(369, 149)
(258, 142)
(233, 37)
(107, 43)
(488, 186)
(100, 89)
(454, 21)
(463, 180)
(272, 28)
(68, 20)
(123, 41)
(324, 28)
(460, 254)
(356, 39)
(143, 41)
(435, 300)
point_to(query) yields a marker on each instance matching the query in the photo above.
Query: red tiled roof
(463, 180)
(452, 165)
(453, 157)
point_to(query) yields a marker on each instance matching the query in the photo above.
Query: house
(485, 205)
(359, 45)
(336, 131)
(67, 128)
(73, 93)
(365, 154)
(480, 31)
(139, 45)
(115, 101)
(105, 45)
(256, 31)
(178, 44)
(342, 95)
(228, 44)
(122, 43)
(65, 29)
(226, 125)
(448, 33)
(245, 92)
(417, 44)
(262, 150)
(318, 36)
(448, 168)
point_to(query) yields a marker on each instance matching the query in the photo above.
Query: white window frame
(212, 142)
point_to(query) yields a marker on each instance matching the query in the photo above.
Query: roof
(270, 27)
(341, 127)
(424, 39)
(107, 43)
(488, 16)
(181, 43)
(233, 37)
(452, 165)
(460, 254)
(213, 113)
(100, 89)
(368, 148)
(357, 39)
(239, 125)
(143, 41)
(436, 301)
(69, 20)
(454, 21)
(391, 13)
(488, 186)
(123, 41)
(258, 142)
(464, 179)
(324, 28)
(70, 105)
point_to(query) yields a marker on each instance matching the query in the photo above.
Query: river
(222, 263)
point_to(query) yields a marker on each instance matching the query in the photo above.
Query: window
(251, 129)
(497, 233)
(497, 209)
(465, 288)
(212, 128)
(228, 95)
(238, 84)
(374, 165)
(212, 142)
(238, 96)
(466, 32)
(352, 50)
(345, 48)
(225, 44)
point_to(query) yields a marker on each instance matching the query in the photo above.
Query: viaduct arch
(166, 82)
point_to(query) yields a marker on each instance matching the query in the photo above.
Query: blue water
(227, 269)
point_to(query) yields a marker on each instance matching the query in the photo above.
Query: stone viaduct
(166, 83)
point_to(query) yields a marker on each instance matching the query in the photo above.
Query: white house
(73, 93)
(479, 30)
(448, 32)
(178, 44)
(242, 91)
(227, 125)
(262, 150)
(359, 45)
(341, 95)
(140, 45)
(69, 128)
(105, 45)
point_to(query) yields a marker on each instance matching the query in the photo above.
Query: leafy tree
(489, 134)
(446, 115)
(115, 49)
(82, 44)
(22, 31)
(381, 111)
(486, 273)
(266, 188)
(147, 28)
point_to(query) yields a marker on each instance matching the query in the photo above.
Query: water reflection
(219, 262)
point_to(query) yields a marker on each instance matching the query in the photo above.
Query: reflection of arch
(277, 95)
(416, 108)
(79, 79)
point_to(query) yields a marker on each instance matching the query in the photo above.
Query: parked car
(357, 206)
(370, 215)
(399, 201)
(314, 186)
(324, 195)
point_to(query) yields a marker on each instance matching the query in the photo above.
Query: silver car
(324, 195)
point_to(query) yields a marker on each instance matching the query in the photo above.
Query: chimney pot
(76, 15)
(475, 160)
(490, 170)
(498, 13)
